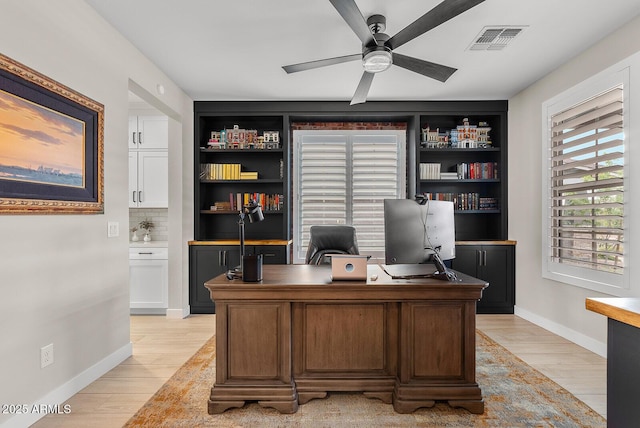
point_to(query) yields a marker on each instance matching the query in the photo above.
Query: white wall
(62, 281)
(557, 306)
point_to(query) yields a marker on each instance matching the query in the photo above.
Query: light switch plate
(113, 229)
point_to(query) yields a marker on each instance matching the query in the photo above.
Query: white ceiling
(235, 49)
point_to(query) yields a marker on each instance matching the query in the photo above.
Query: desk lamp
(252, 211)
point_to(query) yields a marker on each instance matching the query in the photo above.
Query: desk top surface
(311, 280)
(623, 309)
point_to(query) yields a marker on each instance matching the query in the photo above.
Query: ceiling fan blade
(441, 13)
(294, 68)
(426, 68)
(362, 90)
(352, 15)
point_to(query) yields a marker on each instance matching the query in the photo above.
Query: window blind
(587, 165)
(343, 179)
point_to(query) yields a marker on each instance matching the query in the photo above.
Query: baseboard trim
(178, 313)
(47, 403)
(586, 342)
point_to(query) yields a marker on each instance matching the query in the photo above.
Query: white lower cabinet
(148, 279)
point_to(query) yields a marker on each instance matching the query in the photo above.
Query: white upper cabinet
(148, 132)
(148, 179)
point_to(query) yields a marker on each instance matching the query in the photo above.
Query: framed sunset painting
(51, 145)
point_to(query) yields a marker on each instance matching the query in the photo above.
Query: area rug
(515, 395)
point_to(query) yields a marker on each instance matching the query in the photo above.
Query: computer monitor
(412, 231)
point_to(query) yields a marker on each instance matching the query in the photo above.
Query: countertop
(623, 309)
(150, 244)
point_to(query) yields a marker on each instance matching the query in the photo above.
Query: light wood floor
(161, 346)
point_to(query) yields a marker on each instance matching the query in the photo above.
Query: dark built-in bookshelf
(474, 221)
(481, 201)
(270, 182)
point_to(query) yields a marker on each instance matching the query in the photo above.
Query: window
(586, 168)
(342, 177)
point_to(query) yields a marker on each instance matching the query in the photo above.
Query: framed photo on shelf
(51, 145)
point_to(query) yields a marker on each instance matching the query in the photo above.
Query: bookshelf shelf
(476, 212)
(463, 180)
(253, 181)
(240, 151)
(224, 212)
(459, 150)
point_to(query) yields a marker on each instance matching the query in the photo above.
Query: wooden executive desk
(296, 335)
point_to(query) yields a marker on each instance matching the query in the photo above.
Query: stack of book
(429, 171)
(478, 170)
(225, 171)
(268, 202)
(465, 201)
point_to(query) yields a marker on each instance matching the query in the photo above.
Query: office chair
(326, 240)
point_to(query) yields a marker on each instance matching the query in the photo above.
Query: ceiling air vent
(495, 38)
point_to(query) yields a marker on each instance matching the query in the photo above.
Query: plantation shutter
(322, 184)
(343, 179)
(586, 227)
(376, 177)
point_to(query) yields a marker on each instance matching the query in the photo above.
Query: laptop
(348, 267)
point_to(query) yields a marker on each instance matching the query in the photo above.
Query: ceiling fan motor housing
(376, 56)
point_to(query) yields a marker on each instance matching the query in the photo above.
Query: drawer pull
(148, 252)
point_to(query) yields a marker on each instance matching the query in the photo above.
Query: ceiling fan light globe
(377, 61)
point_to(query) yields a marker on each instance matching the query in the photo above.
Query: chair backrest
(339, 239)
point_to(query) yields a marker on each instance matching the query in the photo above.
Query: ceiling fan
(377, 47)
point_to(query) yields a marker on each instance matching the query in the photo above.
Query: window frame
(610, 283)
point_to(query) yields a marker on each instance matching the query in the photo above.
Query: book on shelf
(225, 171)
(477, 170)
(465, 201)
(248, 175)
(448, 176)
(430, 171)
(268, 202)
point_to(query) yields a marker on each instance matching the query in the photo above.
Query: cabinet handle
(139, 195)
(139, 137)
(484, 258)
(222, 258)
(133, 137)
(148, 252)
(134, 196)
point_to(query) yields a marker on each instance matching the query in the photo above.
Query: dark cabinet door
(271, 254)
(206, 262)
(209, 261)
(496, 265)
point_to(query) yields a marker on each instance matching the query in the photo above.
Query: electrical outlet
(46, 355)
(113, 229)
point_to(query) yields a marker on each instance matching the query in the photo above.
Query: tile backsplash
(159, 217)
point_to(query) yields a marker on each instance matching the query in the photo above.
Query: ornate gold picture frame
(51, 145)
